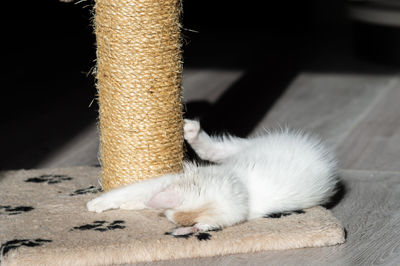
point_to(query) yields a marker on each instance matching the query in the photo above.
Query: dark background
(48, 51)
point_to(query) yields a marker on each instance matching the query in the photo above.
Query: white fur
(279, 171)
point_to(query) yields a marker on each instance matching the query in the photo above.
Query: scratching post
(138, 79)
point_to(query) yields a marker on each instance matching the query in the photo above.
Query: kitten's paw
(100, 204)
(200, 227)
(191, 130)
(184, 231)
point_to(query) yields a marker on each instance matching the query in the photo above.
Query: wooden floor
(356, 110)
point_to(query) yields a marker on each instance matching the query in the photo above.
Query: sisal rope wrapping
(139, 70)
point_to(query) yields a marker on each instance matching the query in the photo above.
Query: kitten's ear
(167, 198)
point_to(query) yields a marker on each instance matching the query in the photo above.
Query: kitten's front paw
(100, 204)
(191, 130)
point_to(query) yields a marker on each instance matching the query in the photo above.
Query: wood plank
(207, 84)
(327, 104)
(374, 142)
(81, 150)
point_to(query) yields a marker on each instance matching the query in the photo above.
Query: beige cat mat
(43, 221)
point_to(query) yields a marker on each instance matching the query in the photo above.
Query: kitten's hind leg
(184, 231)
(211, 148)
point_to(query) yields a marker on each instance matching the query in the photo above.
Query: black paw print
(282, 214)
(91, 189)
(101, 226)
(16, 243)
(50, 179)
(15, 210)
(204, 236)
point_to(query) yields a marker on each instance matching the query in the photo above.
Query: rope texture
(139, 67)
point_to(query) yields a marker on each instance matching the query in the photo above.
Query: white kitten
(278, 172)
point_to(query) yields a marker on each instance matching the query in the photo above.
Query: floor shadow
(245, 103)
(28, 140)
(341, 191)
(46, 85)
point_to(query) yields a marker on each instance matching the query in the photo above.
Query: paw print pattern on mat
(10, 210)
(203, 236)
(101, 226)
(91, 189)
(49, 179)
(283, 214)
(200, 236)
(16, 243)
